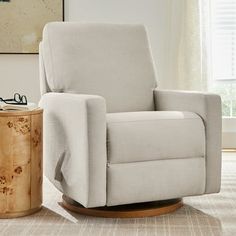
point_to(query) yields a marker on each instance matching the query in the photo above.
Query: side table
(20, 162)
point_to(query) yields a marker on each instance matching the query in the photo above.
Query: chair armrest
(208, 107)
(75, 145)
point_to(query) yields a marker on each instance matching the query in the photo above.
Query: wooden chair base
(125, 211)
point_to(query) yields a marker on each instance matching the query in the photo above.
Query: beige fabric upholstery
(75, 145)
(92, 70)
(44, 88)
(155, 180)
(103, 59)
(208, 107)
(146, 136)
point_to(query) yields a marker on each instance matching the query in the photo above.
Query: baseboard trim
(229, 150)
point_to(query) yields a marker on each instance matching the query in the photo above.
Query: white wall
(19, 73)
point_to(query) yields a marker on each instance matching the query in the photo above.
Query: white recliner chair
(111, 137)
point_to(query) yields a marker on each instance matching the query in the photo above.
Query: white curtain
(188, 57)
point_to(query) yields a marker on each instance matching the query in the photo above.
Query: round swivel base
(125, 211)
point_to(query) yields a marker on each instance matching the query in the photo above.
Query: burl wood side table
(20, 162)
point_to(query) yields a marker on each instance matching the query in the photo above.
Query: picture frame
(21, 24)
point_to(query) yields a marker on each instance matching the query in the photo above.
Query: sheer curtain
(188, 61)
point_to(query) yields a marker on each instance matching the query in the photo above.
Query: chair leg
(125, 211)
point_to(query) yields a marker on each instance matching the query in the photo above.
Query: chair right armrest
(208, 107)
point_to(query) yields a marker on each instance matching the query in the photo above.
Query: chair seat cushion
(154, 135)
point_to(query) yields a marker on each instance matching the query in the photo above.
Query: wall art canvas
(22, 22)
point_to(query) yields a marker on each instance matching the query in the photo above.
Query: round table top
(21, 113)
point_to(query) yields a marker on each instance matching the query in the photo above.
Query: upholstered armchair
(111, 137)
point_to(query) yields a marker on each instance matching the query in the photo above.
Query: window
(223, 53)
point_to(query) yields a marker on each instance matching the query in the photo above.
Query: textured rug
(208, 215)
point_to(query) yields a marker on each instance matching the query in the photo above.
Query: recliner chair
(111, 137)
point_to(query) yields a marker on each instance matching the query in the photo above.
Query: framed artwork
(22, 22)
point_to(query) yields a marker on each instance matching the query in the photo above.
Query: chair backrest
(110, 60)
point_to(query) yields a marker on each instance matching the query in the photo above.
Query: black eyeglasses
(17, 100)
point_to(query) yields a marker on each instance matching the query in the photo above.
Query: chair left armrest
(208, 107)
(75, 145)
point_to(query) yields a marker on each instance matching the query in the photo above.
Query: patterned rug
(208, 215)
